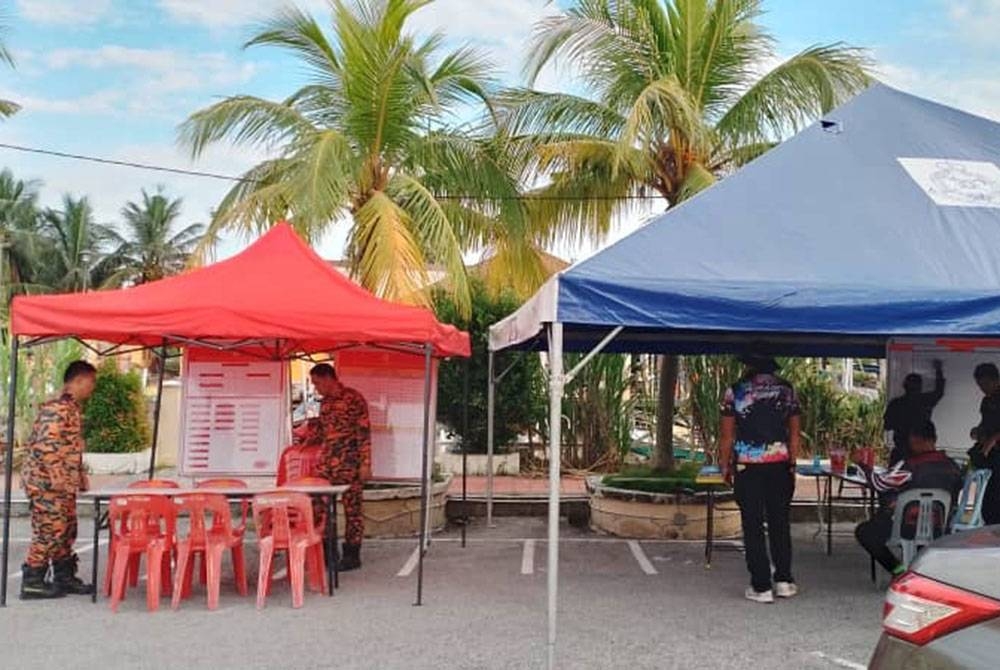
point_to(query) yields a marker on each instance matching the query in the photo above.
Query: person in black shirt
(985, 454)
(912, 409)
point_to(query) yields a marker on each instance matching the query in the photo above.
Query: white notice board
(393, 385)
(958, 411)
(235, 414)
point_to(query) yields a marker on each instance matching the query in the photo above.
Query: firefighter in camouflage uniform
(53, 474)
(344, 431)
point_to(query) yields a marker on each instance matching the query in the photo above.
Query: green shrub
(646, 480)
(115, 417)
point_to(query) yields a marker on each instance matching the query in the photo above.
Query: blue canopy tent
(880, 221)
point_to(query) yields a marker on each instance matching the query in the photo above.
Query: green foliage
(115, 417)
(708, 377)
(520, 395)
(821, 402)
(40, 371)
(645, 479)
(598, 412)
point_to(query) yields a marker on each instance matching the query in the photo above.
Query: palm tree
(19, 234)
(678, 93)
(7, 107)
(76, 251)
(371, 139)
(151, 249)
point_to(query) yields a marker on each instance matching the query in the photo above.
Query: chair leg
(204, 570)
(266, 546)
(213, 559)
(119, 577)
(296, 571)
(183, 558)
(240, 570)
(154, 575)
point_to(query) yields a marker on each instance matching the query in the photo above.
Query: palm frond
(245, 120)
(296, 31)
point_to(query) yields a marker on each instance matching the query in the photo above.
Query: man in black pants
(758, 445)
(925, 468)
(985, 454)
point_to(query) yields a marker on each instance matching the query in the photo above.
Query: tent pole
(156, 410)
(424, 485)
(490, 415)
(8, 462)
(465, 451)
(555, 456)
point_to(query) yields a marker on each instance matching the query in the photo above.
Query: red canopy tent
(277, 299)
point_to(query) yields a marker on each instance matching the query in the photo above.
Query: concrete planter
(117, 464)
(658, 516)
(503, 464)
(394, 511)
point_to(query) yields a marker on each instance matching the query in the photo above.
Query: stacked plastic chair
(141, 525)
(284, 522)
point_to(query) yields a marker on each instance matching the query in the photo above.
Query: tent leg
(156, 411)
(555, 455)
(490, 415)
(465, 451)
(8, 463)
(424, 476)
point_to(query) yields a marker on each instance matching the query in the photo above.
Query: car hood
(967, 560)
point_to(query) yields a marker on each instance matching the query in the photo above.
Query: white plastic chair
(974, 480)
(928, 499)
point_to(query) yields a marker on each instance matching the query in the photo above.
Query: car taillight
(919, 610)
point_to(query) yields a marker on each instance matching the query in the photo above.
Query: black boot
(351, 558)
(34, 586)
(64, 577)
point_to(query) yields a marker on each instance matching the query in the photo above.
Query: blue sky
(115, 77)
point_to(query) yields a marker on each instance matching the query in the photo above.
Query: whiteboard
(958, 411)
(235, 414)
(393, 385)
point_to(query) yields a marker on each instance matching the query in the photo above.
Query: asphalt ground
(622, 605)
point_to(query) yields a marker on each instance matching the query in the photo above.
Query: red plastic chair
(154, 484)
(141, 525)
(319, 509)
(299, 461)
(230, 483)
(208, 541)
(133, 573)
(284, 523)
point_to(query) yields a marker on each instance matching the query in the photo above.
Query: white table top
(229, 492)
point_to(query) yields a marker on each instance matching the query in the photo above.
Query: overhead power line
(225, 177)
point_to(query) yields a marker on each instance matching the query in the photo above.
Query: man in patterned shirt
(344, 431)
(53, 474)
(760, 440)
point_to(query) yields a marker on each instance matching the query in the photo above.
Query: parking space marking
(410, 565)
(528, 558)
(839, 662)
(641, 558)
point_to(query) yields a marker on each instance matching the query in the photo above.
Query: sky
(114, 78)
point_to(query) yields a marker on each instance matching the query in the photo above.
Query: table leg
(829, 515)
(96, 549)
(332, 574)
(709, 529)
(819, 507)
(870, 497)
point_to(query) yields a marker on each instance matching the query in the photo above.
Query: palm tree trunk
(663, 453)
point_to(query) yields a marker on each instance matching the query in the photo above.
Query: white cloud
(969, 91)
(76, 12)
(975, 21)
(105, 101)
(233, 13)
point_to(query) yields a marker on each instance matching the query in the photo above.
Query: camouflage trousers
(354, 519)
(53, 528)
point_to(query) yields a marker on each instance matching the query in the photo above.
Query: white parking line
(411, 564)
(641, 558)
(839, 662)
(528, 558)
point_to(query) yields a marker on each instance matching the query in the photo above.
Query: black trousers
(764, 493)
(873, 534)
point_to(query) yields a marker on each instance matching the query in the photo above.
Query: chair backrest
(136, 516)
(299, 461)
(307, 481)
(282, 515)
(154, 484)
(221, 483)
(927, 501)
(199, 508)
(975, 481)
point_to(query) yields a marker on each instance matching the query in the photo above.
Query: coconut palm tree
(375, 141)
(74, 258)
(675, 94)
(151, 249)
(7, 107)
(19, 234)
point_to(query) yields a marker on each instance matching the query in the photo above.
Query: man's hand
(84, 482)
(727, 476)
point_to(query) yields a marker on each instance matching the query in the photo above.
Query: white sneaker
(786, 589)
(759, 596)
